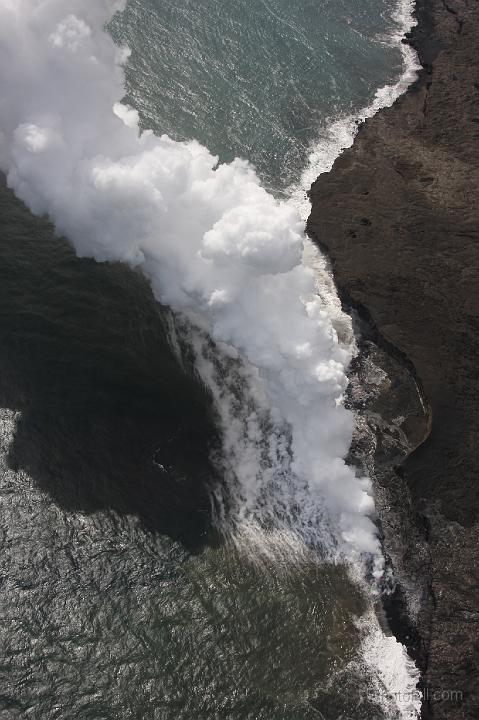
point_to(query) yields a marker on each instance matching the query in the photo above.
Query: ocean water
(159, 560)
(258, 79)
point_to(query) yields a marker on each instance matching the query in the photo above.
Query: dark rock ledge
(399, 217)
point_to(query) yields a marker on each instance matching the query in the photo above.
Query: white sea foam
(338, 134)
(215, 245)
(394, 675)
(219, 250)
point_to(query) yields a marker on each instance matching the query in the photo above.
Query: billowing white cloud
(214, 244)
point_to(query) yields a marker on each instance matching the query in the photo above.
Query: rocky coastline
(399, 217)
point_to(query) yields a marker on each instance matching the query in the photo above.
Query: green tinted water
(115, 605)
(255, 78)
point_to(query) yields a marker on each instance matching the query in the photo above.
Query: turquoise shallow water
(117, 600)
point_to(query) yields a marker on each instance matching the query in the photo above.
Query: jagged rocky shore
(399, 217)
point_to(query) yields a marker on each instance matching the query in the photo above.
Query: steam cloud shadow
(109, 418)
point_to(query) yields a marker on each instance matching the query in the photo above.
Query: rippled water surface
(117, 600)
(255, 78)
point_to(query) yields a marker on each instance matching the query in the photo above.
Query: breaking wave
(338, 134)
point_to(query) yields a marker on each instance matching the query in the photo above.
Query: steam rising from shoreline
(214, 244)
(222, 253)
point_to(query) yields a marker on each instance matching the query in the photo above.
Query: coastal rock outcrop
(399, 216)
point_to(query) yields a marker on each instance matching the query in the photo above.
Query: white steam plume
(214, 244)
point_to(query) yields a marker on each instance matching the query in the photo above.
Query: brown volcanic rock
(399, 216)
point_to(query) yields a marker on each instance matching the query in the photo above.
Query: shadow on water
(109, 419)
(111, 626)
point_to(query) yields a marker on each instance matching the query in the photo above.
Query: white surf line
(338, 134)
(213, 243)
(393, 673)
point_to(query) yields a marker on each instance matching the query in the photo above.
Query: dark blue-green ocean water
(256, 78)
(117, 601)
